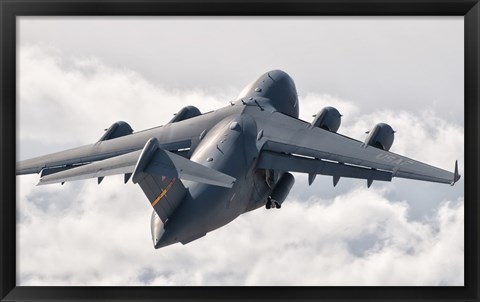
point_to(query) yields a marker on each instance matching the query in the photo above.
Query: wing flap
(284, 162)
(121, 164)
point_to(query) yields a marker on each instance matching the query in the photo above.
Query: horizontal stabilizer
(165, 163)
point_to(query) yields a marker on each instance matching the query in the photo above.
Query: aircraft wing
(63, 160)
(117, 140)
(290, 144)
(151, 160)
(120, 152)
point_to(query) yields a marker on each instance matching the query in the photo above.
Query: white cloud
(85, 234)
(360, 238)
(420, 135)
(82, 96)
(407, 62)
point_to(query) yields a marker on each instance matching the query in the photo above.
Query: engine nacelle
(185, 113)
(282, 188)
(328, 118)
(117, 129)
(381, 137)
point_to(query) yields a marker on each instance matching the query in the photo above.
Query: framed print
(81, 73)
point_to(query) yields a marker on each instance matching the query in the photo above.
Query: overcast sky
(79, 75)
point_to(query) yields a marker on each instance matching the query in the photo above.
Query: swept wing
(160, 162)
(291, 144)
(122, 155)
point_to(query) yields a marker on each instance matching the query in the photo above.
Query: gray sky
(79, 75)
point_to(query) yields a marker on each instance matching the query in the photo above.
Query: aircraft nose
(277, 86)
(279, 75)
(283, 93)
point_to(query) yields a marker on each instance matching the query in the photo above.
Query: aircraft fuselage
(201, 171)
(230, 147)
(224, 140)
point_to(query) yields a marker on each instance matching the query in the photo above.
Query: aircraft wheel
(268, 205)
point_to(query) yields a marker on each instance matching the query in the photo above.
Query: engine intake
(381, 137)
(328, 118)
(185, 113)
(117, 129)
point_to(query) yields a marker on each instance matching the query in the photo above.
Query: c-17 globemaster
(201, 171)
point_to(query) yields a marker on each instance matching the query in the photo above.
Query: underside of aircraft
(201, 171)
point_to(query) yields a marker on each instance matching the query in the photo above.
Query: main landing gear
(272, 203)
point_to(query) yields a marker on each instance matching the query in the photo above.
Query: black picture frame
(10, 9)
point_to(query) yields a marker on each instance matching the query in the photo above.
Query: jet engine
(185, 113)
(281, 190)
(117, 129)
(328, 118)
(381, 137)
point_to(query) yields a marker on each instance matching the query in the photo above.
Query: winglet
(456, 176)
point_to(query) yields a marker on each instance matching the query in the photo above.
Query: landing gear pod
(381, 137)
(328, 118)
(281, 190)
(185, 113)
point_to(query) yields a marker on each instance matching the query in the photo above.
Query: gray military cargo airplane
(201, 171)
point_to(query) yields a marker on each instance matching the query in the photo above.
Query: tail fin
(164, 193)
(158, 171)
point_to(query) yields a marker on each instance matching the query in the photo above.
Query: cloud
(312, 103)
(359, 238)
(417, 134)
(88, 234)
(409, 62)
(82, 96)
